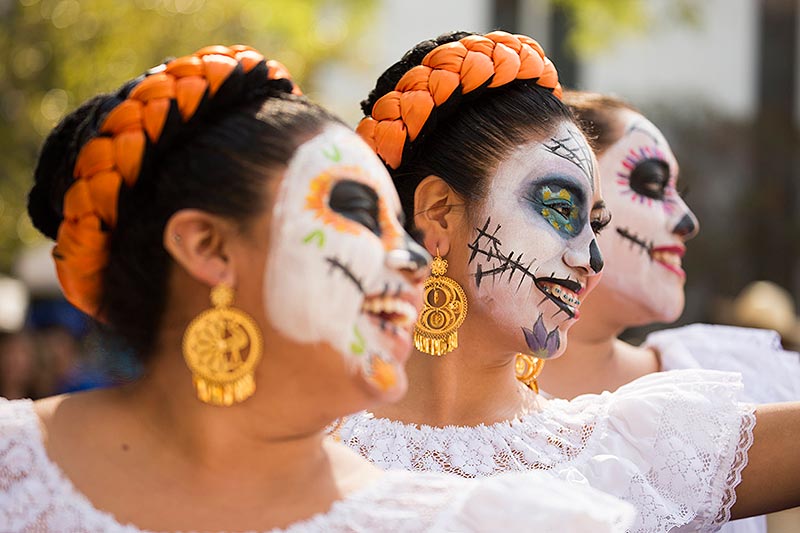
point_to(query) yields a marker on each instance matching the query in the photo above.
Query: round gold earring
(444, 310)
(222, 347)
(527, 369)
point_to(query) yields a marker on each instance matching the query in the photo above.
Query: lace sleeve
(682, 437)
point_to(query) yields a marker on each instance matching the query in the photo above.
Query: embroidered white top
(35, 496)
(769, 373)
(673, 444)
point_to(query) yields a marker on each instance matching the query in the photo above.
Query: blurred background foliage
(57, 53)
(596, 24)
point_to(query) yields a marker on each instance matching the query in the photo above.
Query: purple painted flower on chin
(542, 344)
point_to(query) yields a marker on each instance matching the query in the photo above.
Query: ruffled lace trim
(671, 443)
(740, 458)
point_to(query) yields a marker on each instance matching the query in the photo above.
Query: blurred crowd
(48, 347)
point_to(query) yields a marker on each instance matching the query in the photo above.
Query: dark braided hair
(465, 138)
(218, 161)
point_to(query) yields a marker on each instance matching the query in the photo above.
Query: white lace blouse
(673, 444)
(36, 497)
(769, 373)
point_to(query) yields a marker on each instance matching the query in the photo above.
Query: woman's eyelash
(599, 225)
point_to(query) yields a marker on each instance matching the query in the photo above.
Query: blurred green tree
(57, 53)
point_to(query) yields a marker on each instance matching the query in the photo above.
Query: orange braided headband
(115, 156)
(468, 63)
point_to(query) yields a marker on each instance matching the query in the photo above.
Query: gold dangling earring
(528, 368)
(443, 312)
(222, 347)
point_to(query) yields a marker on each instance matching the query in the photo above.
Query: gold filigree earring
(443, 312)
(528, 368)
(222, 347)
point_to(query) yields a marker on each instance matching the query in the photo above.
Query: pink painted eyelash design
(631, 160)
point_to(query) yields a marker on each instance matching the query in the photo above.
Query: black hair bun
(53, 174)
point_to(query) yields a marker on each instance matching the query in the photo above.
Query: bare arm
(771, 479)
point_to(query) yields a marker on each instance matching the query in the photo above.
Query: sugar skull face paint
(339, 258)
(644, 247)
(533, 254)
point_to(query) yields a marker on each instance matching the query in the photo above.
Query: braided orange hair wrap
(114, 157)
(497, 58)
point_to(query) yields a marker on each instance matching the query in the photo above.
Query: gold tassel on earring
(443, 312)
(222, 347)
(528, 368)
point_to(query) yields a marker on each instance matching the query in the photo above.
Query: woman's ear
(434, 215)
(200, 243)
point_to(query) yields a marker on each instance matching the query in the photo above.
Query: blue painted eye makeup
(559, 202)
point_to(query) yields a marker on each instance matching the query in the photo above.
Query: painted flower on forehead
(543, 344)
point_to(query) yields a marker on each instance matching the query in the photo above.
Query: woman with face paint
(210, 178)
(643, 280)
(502, 188)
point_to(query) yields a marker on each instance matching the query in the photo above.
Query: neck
(595, 359)
(465, 387)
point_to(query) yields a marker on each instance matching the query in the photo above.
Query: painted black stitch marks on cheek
(492, 262)
(636, 240)
(336, 264)
(574, 149)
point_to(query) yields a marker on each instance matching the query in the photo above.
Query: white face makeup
(534, 251)
(644, 245)
(335, 272)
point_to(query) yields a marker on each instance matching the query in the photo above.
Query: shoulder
(23, 481)
(769, 373)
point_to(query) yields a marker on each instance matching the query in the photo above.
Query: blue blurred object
(58, 312)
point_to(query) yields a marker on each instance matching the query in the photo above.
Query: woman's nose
(412, 259)
(686, 228)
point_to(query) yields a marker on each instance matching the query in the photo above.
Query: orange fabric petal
(186, 66)
(78, 201)
(506, 65)
(218, 68)
(160, 85)
(104, 191)
(549, 77)
(442, 84)
(533, 44)
(155, 115)
(96, 155)
(390, 137)
(415, 79)
(415, 108)
(448, 56)
(387, 107)
(558, 92)
(126, 115)
(128, 153)
(478, 43)
(531, 66)
(249, 59)
(216, 49)
(505, 38)
(366, 130)
(80, 257)
(189, 93)
(477, 68)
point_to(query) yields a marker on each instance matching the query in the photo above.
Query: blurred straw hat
(764, 305)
